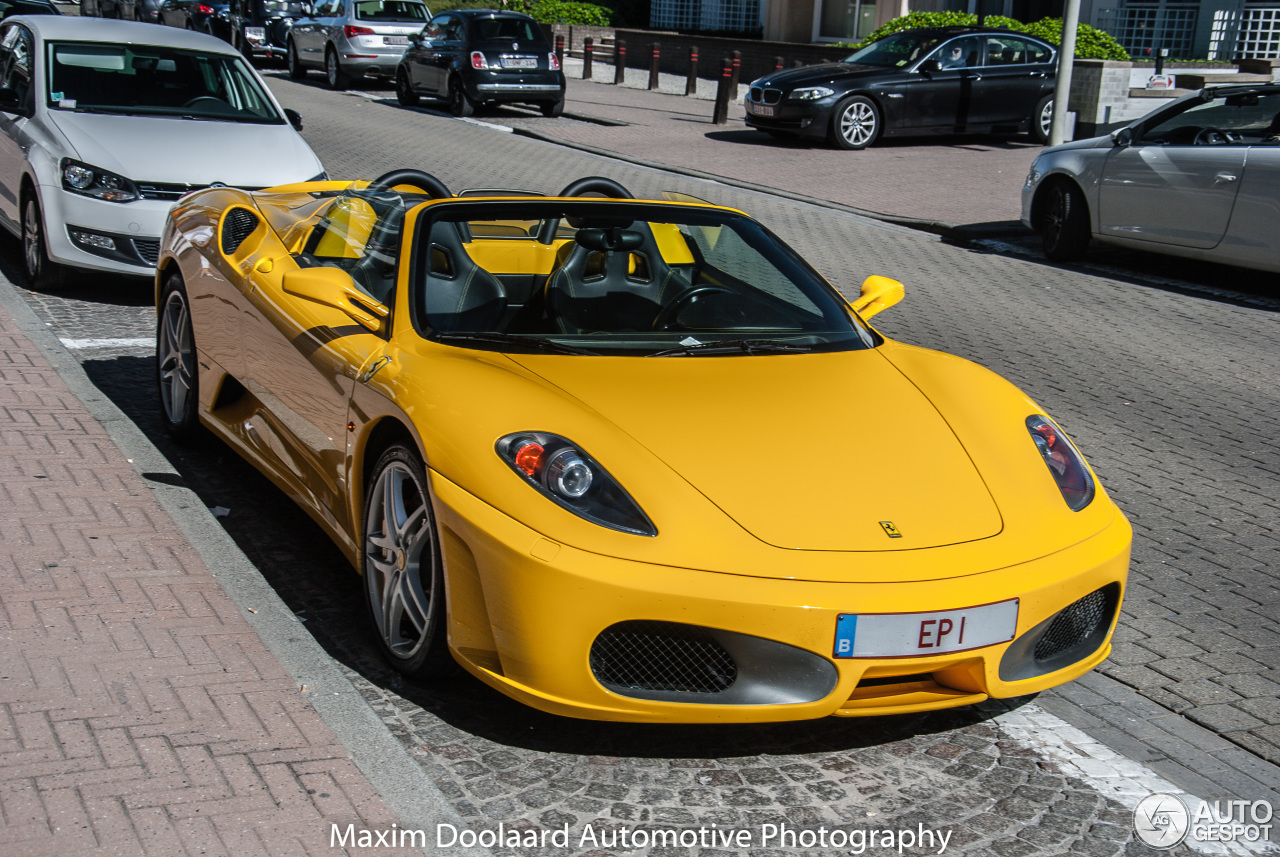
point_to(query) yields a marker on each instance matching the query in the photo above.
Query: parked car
(203, 16)
(129, 10)
(634, 460)
(9, 8)
(104, 124)
(1195, 178)
(950, 80)
(260, 28)
(353, 39)
(477, 58)
(101, 8)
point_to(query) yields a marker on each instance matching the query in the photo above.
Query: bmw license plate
(395, 40)
(910, 635)
(519, 62)
(759, 109)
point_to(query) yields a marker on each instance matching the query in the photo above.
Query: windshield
(894, 51)
(601, 277)
(404, 11)
(148, 80)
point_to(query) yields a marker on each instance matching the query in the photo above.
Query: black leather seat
(613, 279)
(459, 295)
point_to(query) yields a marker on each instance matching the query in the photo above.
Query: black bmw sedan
(953, 80)
(475, 58)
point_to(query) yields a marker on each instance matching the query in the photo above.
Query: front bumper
(524, 613)
(133, 227)
(804, 118)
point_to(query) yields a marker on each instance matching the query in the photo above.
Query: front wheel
(42, 272)
(1042, 120)
(333, 71)
(855, 123)
(459, 104)
(1065, 228)
(404, 89)
(400, 562)
(176, 363)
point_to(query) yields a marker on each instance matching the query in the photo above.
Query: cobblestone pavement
(1167, 393)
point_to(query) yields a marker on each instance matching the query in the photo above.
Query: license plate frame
(918, 635)
(508, 61)
(395, 41)
(759, 109)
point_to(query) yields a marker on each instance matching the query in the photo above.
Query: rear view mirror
(333, 287)
(878, 294)
(295, 118)
(1122, 137)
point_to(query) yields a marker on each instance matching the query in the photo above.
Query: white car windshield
(149, 80)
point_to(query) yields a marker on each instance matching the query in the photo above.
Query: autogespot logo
(1161, 820)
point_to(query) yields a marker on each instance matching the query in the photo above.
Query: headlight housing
(811, 93)
(1064, 462)
(97, 183)
(564, 473)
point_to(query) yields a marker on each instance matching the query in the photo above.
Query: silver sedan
(353, 39)
(1200, 178)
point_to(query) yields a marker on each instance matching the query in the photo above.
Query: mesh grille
(148, 250)
(667, 656)
(237, 226)
(1073, 625)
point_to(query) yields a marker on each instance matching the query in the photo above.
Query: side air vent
(1073, 626)
(1069, 636)
(665, 656)
(237, 226)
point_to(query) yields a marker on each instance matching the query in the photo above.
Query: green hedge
(1091, 43)
(567, 12)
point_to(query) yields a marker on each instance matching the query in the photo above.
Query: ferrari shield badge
(890, 530)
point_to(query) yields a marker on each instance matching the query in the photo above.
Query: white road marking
(1111, 774)
(77, 344)
(374, 96)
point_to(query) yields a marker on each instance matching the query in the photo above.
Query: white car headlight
(97, 183)
(811, 93)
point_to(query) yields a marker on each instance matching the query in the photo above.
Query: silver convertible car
(1200, 177)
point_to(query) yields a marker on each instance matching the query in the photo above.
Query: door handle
(1224, 178)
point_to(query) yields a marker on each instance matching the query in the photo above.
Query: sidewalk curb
(949, 231)
(401, 782)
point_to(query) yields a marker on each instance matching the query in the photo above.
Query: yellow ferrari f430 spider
(634, 460)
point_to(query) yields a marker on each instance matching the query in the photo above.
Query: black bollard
(619, 62)
(737, 68)
(779, 64)
(691, 82)
(655, 54)
(560, 51)
(721, 114)
(588, 47)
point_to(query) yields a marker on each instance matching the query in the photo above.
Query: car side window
(1237, 120)
(453, 29)
(15, 59)
(1003, 50)
(432, 31)
(959, 53)
(1038, 53)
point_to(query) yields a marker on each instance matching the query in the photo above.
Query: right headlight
(1064, 461)
(565, 474)
(811, 93)
(97, 183)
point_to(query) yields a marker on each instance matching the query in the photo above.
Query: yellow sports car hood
(830, 452)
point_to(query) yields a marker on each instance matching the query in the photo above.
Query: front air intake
(237, 226)
(662, 656)
(1073, 626)
(1074, 633)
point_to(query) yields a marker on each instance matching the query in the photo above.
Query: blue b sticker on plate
(846, 630)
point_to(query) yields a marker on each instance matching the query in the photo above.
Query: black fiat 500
(479, 57)
(260, 28)
(953, 80)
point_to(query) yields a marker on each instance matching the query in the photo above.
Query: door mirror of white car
(1122, 137)
(295, 118)
(877, 295)
(333, 287)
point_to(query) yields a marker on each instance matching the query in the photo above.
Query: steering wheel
(1214, 137)
(666, 316)
(425, 182)
(205, 101)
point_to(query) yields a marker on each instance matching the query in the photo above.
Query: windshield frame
(802, 277)
(234, 62)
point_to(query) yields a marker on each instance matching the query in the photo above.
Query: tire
(333, 72)
(855, 123)
(552, 109)
(177, 377)
(297, 71)
(42, 272)
(459, 104)
(1064, 225)
(401, 567)
(1042, 120)
(404, 90)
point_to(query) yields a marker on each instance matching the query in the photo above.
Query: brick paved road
(1166, 392)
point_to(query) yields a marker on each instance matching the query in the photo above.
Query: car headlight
(1033, 177)
(99, 184)
(564, 473)
(1064, 462)
(811, 93)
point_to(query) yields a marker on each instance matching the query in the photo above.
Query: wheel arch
(1042, 194)
(377, 438)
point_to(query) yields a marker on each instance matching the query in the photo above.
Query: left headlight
(811, 93)
(1064, 461)
(97, 183)
(567, 475)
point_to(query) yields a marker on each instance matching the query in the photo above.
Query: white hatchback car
(104, 124)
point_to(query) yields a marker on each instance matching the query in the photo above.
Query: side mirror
(333, 287)
(416, 39)
(1122, 137)
(929, 66)
(877, 295)
(294, 117)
